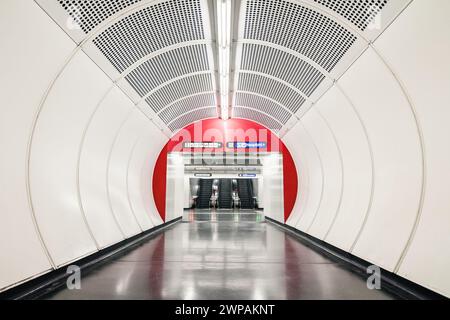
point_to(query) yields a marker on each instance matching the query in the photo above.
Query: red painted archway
(232, 130)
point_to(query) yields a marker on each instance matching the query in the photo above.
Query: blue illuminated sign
(247, 175)
(247, 145)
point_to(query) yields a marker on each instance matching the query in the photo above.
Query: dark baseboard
(49, 282)
(394, 284)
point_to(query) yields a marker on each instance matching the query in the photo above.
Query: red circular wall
(232, 130)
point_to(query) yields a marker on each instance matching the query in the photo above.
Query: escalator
(204, 194)
(225, 200)
(245, 192)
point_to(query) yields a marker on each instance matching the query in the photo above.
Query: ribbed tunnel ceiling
(286, 54)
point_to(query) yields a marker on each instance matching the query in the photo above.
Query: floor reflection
(222, 255)
(223, 215)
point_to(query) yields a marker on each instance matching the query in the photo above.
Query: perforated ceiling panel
(263, 105)
(282, 65)
(288, 50)
(359, 12)
(179, 89)
(256, 116)
(273, 89)
(90, 13)
(192, 117)
(150, 29)
(299, 28)
(154, 72)
(161, 52)
(186, 105)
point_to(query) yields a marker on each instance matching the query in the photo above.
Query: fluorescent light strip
(224, 44)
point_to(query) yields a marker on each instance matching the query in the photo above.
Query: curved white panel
(99, 138)
(357, 173)
(140, 173)
(54, 157)
(307, 152)
(397, 159)
(147, 187)
(175, 186)
(273, 186)
(28, 63)
(117, 174)
(419, 53)
(302, 176)
(332, 170)
(142, 218)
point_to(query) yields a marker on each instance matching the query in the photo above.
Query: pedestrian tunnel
(242, 143)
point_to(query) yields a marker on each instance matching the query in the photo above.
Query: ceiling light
(224, 47)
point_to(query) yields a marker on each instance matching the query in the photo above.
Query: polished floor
(222, 256)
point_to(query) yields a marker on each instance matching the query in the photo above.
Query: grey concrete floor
(222, 256)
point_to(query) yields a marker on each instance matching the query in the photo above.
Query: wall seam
(341, 162)
(307, 200)
(119, 130)
(133, 149)
(150, 182)
(321, 191)
(305, 167)
(29, 152)
(423, 159)
(80, 151)
(372, 187)
(322, 176)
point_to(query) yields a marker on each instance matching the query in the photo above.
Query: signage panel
(247, 145)
(202, 175)
(206, 145)
(247, 175)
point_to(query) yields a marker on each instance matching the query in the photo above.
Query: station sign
(247, 145)
(247, 175)
(203, 175)
(205, 145)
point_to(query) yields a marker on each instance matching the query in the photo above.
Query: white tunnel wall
(22, 24)
(330, 157)
(395, 143)
(272, 173)
(127, 137)
(356, 170)
(128, 160)
(304, 151)
(389, 112)
(99, 137)
(133, 181)
(303, 182)
(140, 173)
(154, 142)
(91, 156)
(419, 57)
(54, 155)
(175, 186)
